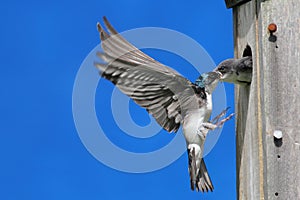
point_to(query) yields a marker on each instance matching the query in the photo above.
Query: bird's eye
(221, 68)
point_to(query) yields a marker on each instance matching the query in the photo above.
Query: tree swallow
(237, 71)
(169, 97)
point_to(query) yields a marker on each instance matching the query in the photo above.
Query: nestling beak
(219, 73)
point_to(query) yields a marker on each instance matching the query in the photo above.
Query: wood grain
(268, 168)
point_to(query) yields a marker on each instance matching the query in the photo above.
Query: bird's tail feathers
(199, 178)
(204, 183)
(192, 167)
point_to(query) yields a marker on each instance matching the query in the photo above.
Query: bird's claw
(209, 126)
(216, 119)
(205, 128)
(220, 123)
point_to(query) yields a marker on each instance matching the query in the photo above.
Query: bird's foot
(208, 126)
(205, 128)
(220, 123)
(216, 119)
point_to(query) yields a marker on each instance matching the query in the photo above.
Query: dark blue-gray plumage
(169, 97)
(237, 71)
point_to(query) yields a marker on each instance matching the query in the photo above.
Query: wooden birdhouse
(268, 110)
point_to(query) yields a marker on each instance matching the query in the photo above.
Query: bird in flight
(169, 97)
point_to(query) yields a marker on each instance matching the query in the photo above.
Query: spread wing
(166, 95)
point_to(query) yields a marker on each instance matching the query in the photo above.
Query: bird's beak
(220, 74)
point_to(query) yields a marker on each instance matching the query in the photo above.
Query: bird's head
(236, 70)
(228, 70)
(209, 81)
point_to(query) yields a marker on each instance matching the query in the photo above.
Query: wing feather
(165, 94)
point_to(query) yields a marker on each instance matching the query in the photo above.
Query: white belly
(193, 122)
(208, 106)
(191, 125)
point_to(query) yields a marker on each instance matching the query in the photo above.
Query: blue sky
(42, 46)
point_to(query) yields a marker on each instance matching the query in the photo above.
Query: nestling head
(228, 70)
(236, 70)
